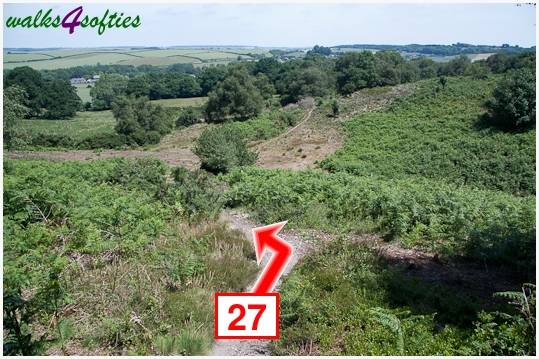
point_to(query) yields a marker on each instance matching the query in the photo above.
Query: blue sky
(291, 25)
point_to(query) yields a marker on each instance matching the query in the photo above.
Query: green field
(84, 92)
(84, 125)
(64, 58)
(181, 102)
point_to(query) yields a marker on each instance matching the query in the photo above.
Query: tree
(210, 77)
(60, 100)
(138, 86)
(236, 97)
(306, 81)
(264, 85)
(14, 111)
(140, 121)
(513, 100)
(31, 82)
(326, 51)
(222, 148)
(107, 89)
(456, 67)
(356, 70)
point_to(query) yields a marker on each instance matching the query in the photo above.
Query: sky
(286, 25)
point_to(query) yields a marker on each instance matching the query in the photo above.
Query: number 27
(234, 324)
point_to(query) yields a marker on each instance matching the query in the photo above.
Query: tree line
(238, 91)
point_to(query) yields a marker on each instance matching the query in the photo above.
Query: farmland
(64, 58)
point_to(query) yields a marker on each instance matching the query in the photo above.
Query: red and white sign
(255, 315)
(246, 316)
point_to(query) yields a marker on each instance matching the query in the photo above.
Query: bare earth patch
(318, 135)
(174, 156)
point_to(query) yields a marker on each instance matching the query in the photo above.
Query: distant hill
(442, 50)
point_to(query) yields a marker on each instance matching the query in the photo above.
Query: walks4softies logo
(73, 19)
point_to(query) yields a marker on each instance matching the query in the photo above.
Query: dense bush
(103, 140)
(140, 121)
(235, 97)
(188, 116)
(14, 111)
(222, 148)
(513, 102)
(493, 226)
(107, 89)
(199, 194)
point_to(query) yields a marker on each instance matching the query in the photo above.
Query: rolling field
(181, 102)
(63, 58)
(84, 125)
(84, 92)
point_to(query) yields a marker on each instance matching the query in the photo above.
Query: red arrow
(266, 238)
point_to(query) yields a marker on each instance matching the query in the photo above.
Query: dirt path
(240, 221)
(319, 135)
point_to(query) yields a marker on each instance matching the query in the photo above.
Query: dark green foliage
(104, 140)
(198, 193)
(335, 108)
(159, 86)
(140, 121)
(513, 102)
(60, 100)
(311, 80)
(107, 89)
(439, 136)
(492, 226)
(188, 116)
(456, 67)
(31, 82)
(222, 148)
(235, 97)
(326, 51)
(14, 111)
(209, 77)
(500, 63)
(51, 99)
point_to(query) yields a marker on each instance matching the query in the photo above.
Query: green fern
(390, 321)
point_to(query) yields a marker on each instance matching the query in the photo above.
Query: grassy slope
(109, 266)
(439, 135)
(84, 125)
(399, 174)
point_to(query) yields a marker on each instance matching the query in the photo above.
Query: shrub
(189, 116)
(513, 102)
(222, 148)
(104, 140)
(198, 194)
(140, 121)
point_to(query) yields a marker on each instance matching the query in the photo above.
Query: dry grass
(159, 302)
